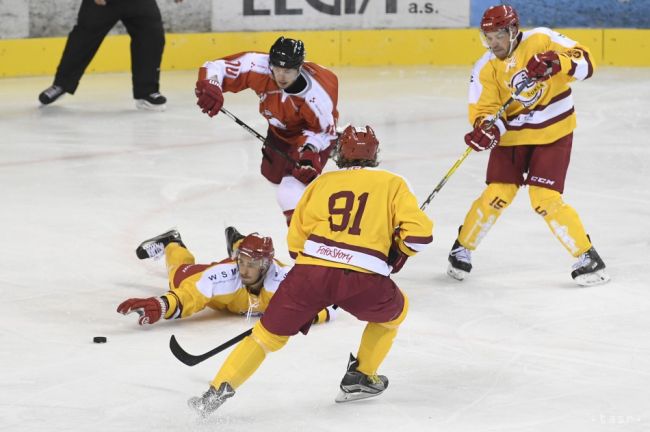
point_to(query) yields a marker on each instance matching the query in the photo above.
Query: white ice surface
(515, 347)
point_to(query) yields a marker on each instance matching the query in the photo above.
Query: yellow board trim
(40, 56)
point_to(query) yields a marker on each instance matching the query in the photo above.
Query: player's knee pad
(545, 202)
(498, 196)
(402, 316)
(269, 342)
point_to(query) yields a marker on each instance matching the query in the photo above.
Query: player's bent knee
(402, 316)
(269, 342)
(545, 201)
(499, 195)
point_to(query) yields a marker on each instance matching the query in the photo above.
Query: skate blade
(350, 397)
(591, 279)
(455, 273)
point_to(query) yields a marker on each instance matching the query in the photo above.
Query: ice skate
(460, 261)
(355, 385)
(232, 237)
(155, 246)
(590, 269)
(211, 400)
(153, 102)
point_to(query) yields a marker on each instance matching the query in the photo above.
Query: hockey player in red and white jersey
(242, 284)
(346, 246)
(297, 98)
(531, 144)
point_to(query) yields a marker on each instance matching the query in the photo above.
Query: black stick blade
(181, 354)
(191, 360)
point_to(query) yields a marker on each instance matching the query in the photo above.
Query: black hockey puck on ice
(99, 339)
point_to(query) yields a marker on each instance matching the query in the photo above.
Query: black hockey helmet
(287, 53)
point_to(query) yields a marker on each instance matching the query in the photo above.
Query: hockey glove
(543, 66)
(396, 258)
(210, 96)
(483, 139)
(150, 309)
(309, 165)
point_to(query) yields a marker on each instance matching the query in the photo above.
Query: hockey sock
(376, 342)
(248, 356)
(561, 218)
(484, 213)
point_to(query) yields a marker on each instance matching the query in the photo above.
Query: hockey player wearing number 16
(343, 238)
(531, 144)
(297, 98)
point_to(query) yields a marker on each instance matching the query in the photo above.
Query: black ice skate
(232, 237)
(155, 246)
(153, 102)
(590, 269)
(460, 261)
(211, 400)
(356, 385)
(51, 94)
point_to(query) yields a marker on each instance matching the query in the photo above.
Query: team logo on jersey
(277, 123)
(531, 93)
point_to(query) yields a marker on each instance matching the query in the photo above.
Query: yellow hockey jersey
(346, 219)
(219, 286)
(544, 112)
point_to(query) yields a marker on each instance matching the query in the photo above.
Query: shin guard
(484, 213)
(561, 218)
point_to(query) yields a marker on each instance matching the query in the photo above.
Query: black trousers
(143, 23)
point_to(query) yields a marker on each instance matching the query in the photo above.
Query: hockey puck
(100, 339)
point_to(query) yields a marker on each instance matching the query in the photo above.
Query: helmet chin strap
(513, 32)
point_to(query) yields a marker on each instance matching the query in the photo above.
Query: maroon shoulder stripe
(590, 65)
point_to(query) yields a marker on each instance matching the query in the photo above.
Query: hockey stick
(468, 150)
(258, 136)
(192, 360)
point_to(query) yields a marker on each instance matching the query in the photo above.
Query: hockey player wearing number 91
(531, 144)
(297, 98)
(344, 240)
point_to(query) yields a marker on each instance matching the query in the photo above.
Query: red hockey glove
(309, 165)
(210, 96)
(396, 257)
(481, 139)
(150, 309)
(543, 66)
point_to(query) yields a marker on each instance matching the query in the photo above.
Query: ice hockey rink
(516, 347)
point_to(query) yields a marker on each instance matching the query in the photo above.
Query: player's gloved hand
(309, 165)
(543, 66)
(210, 96)
(150, 309)
(483, 137)
(396, 257)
